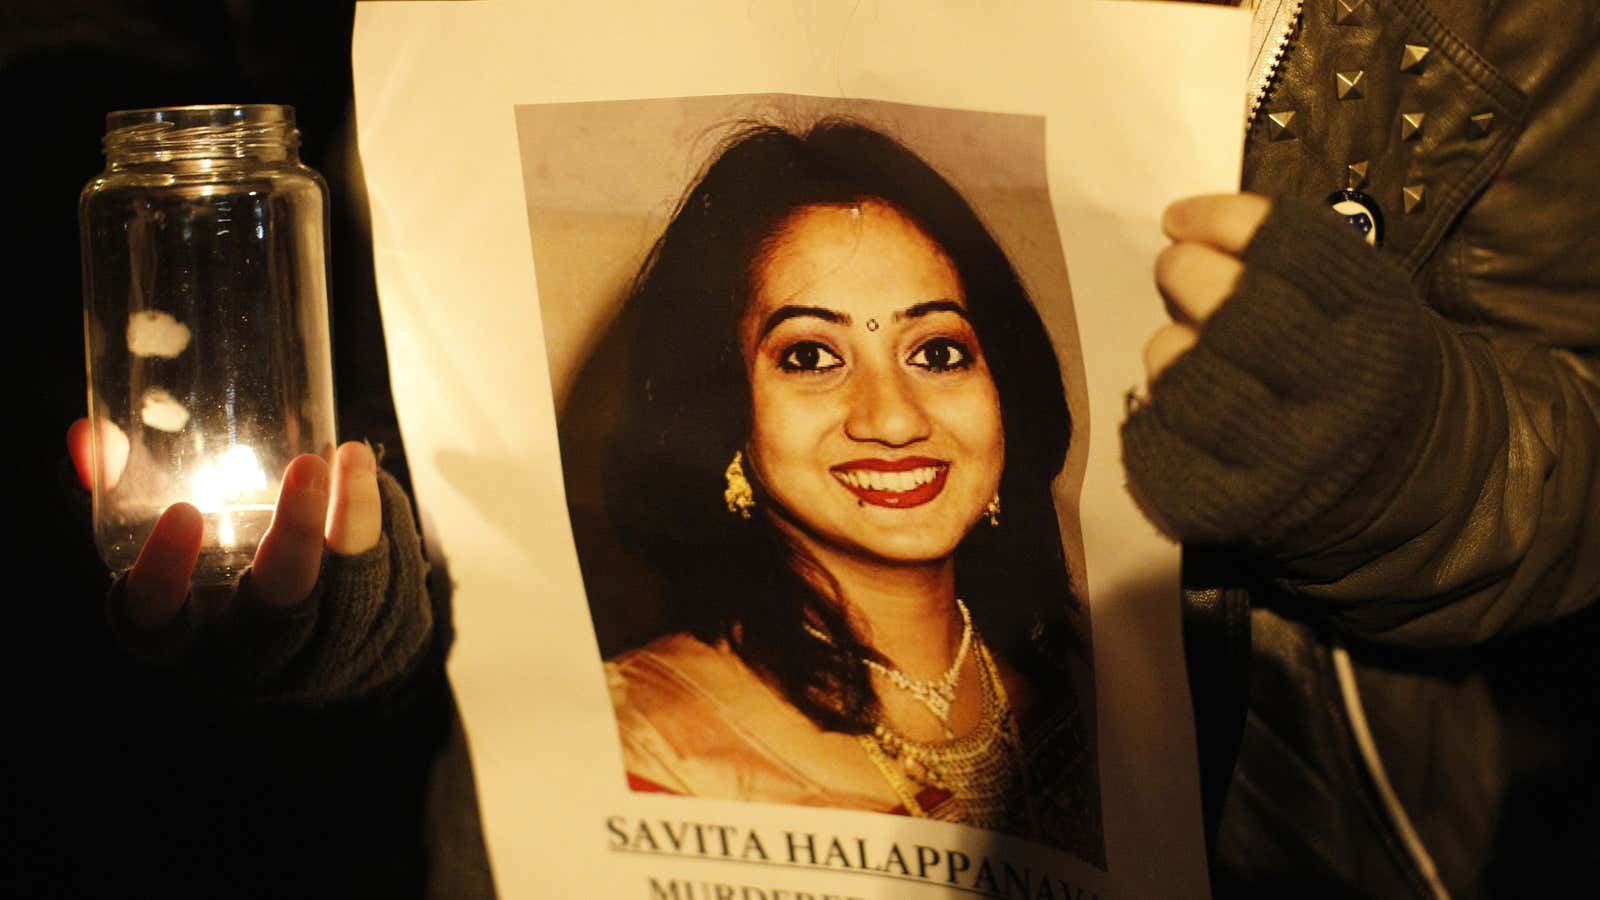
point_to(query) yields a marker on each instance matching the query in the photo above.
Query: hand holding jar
(335, 505)
(210, 375)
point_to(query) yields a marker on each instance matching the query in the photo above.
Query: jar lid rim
(203, 114)
(199, 132)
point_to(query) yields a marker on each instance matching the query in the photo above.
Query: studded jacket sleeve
(1408, 438)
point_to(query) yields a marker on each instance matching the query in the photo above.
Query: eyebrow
(784, 313)
(933, 306)
(916, 311)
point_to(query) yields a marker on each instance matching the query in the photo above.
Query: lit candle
(233, 481)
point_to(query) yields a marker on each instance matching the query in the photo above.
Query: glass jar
(205, 273)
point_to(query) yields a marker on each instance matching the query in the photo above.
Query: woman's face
(876, 423)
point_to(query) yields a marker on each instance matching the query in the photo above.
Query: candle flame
(232, 474)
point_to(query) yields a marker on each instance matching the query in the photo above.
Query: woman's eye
(941, 355)
(808, 356)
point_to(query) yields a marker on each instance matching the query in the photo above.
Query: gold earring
(739, 496)
(992, 510)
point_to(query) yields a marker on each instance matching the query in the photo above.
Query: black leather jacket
(1421, 712)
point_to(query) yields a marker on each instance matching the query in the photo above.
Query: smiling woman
(875, 426)
(841, 422)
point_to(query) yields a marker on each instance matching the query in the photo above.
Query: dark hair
(687, 410)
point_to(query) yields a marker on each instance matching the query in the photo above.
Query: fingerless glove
(1321, 355)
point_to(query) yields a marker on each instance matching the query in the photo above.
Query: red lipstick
(893, 483)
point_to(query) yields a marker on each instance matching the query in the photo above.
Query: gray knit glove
(366, 624)
(1321, 357)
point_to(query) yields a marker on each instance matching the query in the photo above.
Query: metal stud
(1355, 174)
(1345, 12)
(1411, 195)
(1280, 126)
(1481, 124)
(1349, 84)
(1412, 56)
(1411, 125)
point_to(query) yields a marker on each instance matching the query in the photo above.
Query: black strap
(1216, 648)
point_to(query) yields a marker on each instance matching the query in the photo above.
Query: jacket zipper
(1271, 30)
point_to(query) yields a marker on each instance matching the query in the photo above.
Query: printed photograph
(816, 378)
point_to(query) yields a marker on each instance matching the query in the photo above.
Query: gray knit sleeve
(1299, 382)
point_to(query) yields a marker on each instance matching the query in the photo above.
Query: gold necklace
(982, 771)
(936, 694)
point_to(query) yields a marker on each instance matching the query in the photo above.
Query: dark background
(120, 780)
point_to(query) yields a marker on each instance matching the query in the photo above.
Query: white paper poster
(760, 368)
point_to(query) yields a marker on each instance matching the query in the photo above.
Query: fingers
(1167, 344)
(1194, 279)
(159, 581)
(1201, 268)
(78, 449)
(113, 453)
(355, 516)
(341, 501)
(1224, 221)
(286, 563)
